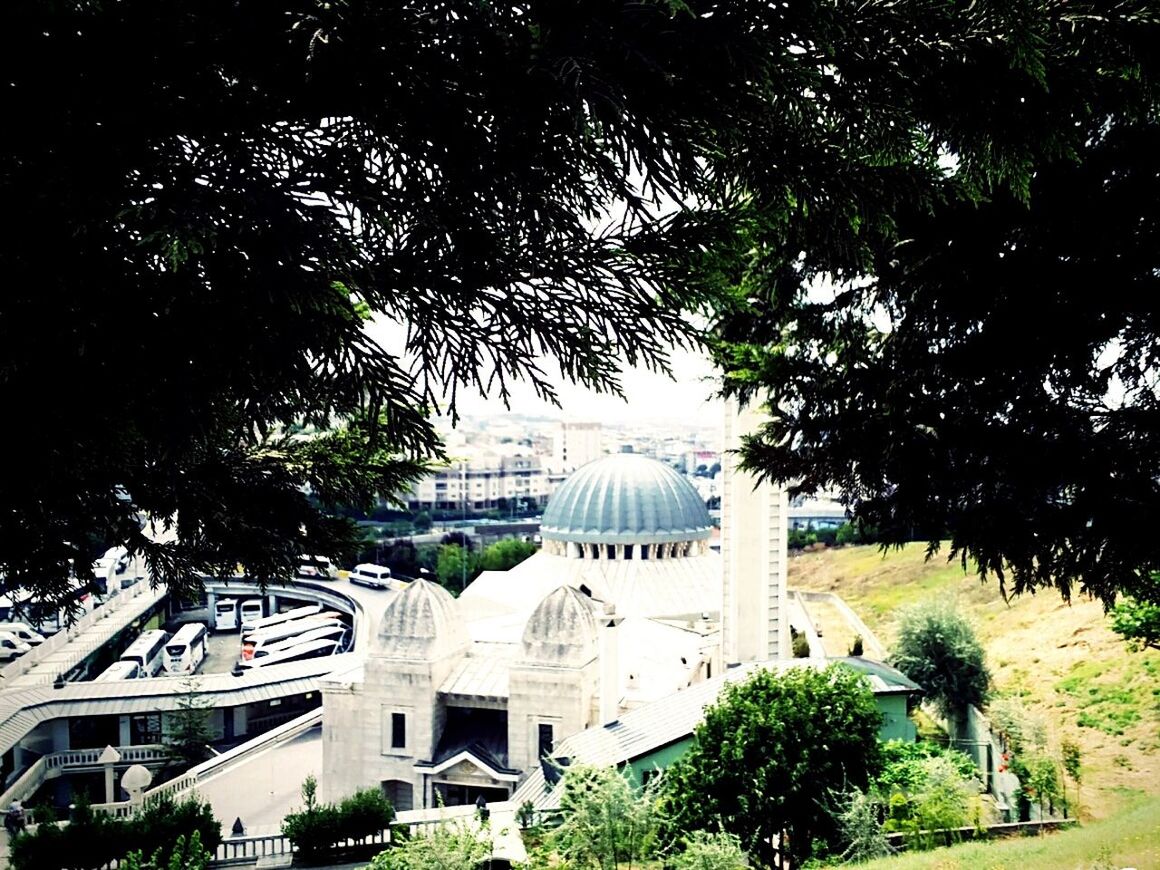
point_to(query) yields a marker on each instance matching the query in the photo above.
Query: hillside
(1062, 660)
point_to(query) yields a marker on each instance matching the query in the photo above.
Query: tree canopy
(961, 336)
(770, 754)
(215, 200)
(937, 648)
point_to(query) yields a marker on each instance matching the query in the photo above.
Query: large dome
(625, 498)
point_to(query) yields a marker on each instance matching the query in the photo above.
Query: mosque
(625, 604)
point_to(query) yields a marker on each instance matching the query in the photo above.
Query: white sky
(683, 399)
(649, 397)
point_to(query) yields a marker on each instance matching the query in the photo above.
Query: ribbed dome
(561, 630)
(625, 498)
(421, 622)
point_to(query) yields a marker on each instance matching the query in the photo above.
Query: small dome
(561, 630)
(625, 498)
(421, 622)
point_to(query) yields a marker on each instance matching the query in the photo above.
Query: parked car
(374, 576)
(11, 646)
(24, 632)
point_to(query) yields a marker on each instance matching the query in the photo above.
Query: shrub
(365, 812)
(94, 839)
(703, 850)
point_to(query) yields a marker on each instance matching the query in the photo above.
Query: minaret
(754, 527)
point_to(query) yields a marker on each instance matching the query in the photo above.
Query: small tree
(189, 733)
(938, 649)
(506, 554)
(186, 855)
(1070, 755)
(770, 752)
(604, 820)
(315, 829)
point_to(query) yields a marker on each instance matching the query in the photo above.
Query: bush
(800, 644)
(94, 839)
(364, 813)
(319, 827)
(710, 851)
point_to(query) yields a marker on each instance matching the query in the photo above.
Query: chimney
(609, 664)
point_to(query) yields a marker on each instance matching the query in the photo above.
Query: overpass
(42, 716)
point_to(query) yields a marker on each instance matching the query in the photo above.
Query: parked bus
(121, 670)
(186, 649)
(148, 651)
(277, 618)
(250, 611)
(225, 614)
(309, 650)
(336, 631)
(285, 630)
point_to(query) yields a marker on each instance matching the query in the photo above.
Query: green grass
(1131, 839)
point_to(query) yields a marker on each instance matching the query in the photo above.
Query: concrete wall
(561, 697)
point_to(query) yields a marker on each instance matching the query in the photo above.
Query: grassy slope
(1131, 839)
(1063, 660)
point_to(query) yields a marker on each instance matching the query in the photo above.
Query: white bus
(147, 652)
(285, 630)
(121, 670)
(186, 650)
(309, 650)
(278, 618)
(225, 614)
(326, 632)
(250, 611)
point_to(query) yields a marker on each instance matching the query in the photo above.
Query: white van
(374, 576)
(11, 646)
(27, 634)
(250, 612)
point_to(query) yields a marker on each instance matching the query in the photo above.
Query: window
(398, 730)
(545, 741)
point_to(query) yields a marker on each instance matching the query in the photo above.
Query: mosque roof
(421, 622)
(561, 630)
(625, 498)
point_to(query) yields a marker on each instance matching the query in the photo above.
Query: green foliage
(937, 648)
(799, 643)
(1072, 760)
(281, 186)
(604, 821)
(860, 829)
(953, 378)
(456, 567)
(769, 753)
(318, 827)
(445, 846)
(1040, 781)
(174, 835)
(904, 766)
(505, 554)
(1137, 620)
(705, 850)
(365, 812)
(185, 856)
(944, 801)
(188, 732)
